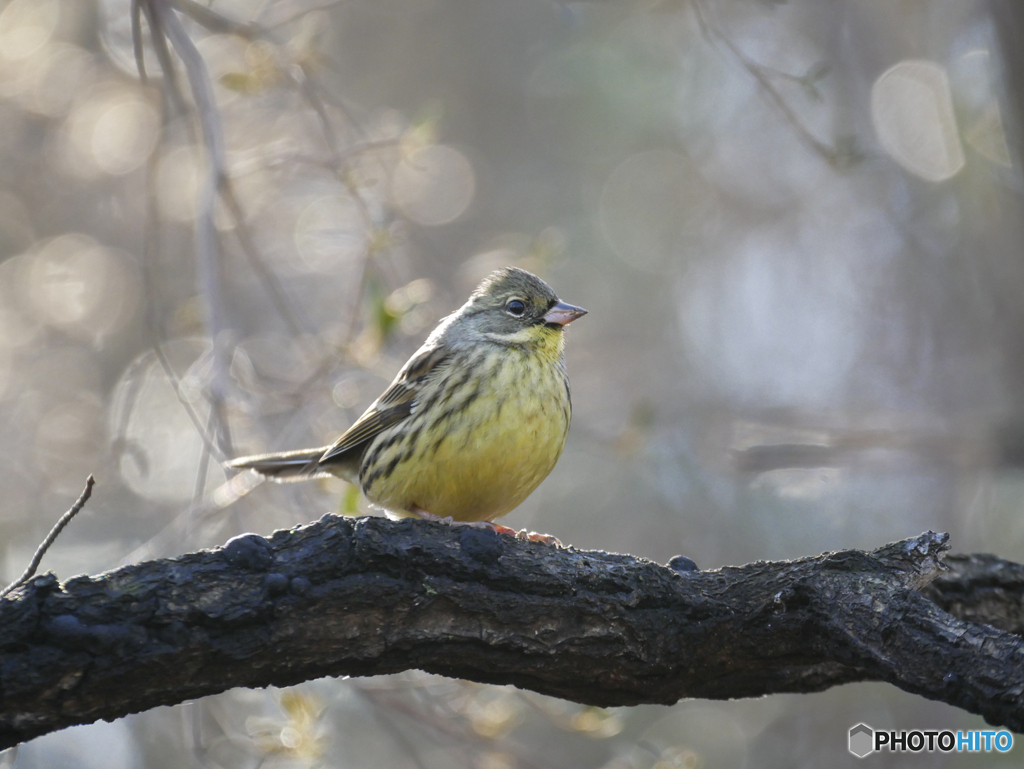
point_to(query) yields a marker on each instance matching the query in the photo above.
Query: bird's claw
(536, 536)
(499, 529)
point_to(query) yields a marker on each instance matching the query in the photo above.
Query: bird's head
(513, 307)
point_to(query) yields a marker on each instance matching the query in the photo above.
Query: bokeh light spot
(434, 185)
(18, 324)
(346, 393)
(912, 111)
(654, 204)
(66, 72)
(83, 288)
(330, 230)
(123, 135)
(974, 79)
(26, 26)
(111, 132)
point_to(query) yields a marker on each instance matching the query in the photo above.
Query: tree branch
(369, 596)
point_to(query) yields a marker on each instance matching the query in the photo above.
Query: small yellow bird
(473, 422)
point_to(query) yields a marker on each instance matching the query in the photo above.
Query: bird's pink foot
(532, 536)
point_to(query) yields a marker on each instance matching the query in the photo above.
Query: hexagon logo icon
(862, 740)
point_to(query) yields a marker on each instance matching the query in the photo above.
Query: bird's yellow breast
(482, 439)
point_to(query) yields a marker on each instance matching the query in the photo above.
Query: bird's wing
(393, 406)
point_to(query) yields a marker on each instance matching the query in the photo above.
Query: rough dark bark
(369, 596)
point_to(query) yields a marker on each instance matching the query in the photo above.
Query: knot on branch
(918, 560)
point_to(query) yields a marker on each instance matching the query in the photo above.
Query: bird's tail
(286, 466)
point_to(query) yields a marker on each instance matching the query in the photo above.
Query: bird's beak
(563, 314)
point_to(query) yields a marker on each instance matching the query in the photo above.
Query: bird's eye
(515, 307)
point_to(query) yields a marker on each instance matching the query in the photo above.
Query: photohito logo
(865, 740)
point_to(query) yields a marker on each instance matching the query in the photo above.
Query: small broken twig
(54, 533)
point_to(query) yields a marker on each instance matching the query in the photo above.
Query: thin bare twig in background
(833, 156)
(54, 533)
(271, 161)
(207, 242)
(202, 470)
(150, 250)
(342, 172)
(259, 266)
(172, 88)
(140, 59)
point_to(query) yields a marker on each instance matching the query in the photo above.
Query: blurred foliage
(792, 223)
